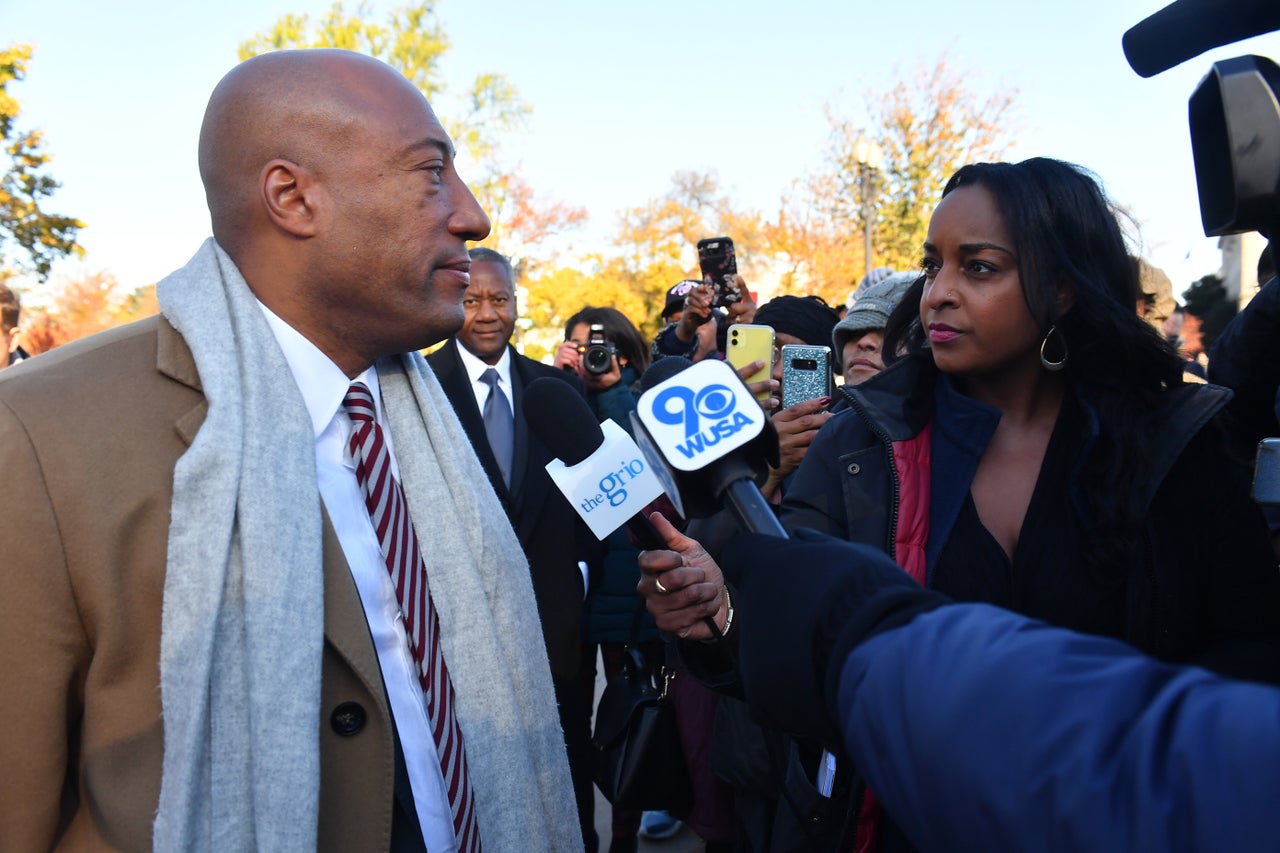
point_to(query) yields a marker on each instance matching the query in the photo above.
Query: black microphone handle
(645, 533)
(752, 510)
(732, 481)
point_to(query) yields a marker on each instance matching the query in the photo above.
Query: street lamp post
(869, 156)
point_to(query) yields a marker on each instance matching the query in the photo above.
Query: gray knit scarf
(243, 616)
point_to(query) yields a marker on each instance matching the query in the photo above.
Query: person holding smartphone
(692, 324)
(695, 327)
(795, 320)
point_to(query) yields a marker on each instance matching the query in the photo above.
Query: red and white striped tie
(390, 514)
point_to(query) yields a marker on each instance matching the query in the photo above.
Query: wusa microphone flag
(688, 422)
(700, 415)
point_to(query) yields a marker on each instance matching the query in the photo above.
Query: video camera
(1235, 133)
(1234, 113)
(598, 352)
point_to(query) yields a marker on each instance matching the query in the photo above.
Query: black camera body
(1235, 140)
(598, 352)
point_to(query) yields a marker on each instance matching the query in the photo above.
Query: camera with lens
(1234, 115)
(597, 353)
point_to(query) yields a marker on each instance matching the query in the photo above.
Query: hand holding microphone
(601, 473)
(707, 440)
(682, 585)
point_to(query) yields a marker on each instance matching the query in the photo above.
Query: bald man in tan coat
(334, 199)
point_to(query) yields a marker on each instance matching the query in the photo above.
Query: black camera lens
(598, 359)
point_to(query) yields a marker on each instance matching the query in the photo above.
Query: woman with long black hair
(1033, 446)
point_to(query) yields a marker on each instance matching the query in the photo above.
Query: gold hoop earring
(1053, 366)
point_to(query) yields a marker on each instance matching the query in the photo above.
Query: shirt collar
(322, 383)
(475, 367)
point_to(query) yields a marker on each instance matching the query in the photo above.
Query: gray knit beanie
(875, 276)
(872, 305)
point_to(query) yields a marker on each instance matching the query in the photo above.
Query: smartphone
(748, 343)
(719, 265)
(806, 373)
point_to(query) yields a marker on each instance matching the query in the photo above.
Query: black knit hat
(808, 318)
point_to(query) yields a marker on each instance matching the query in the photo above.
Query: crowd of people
(1002, 457)
(275, 580)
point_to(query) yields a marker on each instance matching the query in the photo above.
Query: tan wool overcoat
(89, 435)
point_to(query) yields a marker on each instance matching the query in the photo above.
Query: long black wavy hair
(1066, 235)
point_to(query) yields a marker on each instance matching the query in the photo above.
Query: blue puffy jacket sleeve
(982, 730)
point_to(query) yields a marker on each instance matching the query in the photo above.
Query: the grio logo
(612, 485)
(707, 415)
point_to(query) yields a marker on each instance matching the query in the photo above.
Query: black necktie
(499, 423)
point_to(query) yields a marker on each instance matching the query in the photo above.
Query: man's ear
(11, 342)
(290, 195)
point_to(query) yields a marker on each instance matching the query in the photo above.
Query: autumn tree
(553, 295)
(413, 42)
(83, 306)
(814, 252)
(524, 226)
(655, 246)
(31, 238)
(927, 126)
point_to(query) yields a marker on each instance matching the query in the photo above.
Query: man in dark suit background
(555, 541)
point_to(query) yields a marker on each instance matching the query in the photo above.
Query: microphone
(559, 417)
(600, 471)
(1187, 28)
(561, 420)
(707, 439)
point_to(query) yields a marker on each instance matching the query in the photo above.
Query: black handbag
(639, 757)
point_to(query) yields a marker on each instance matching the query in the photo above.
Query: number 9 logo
(713, 403)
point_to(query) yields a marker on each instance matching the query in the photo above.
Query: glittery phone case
(806, 373)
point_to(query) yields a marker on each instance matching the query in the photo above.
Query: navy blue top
(1046, 578)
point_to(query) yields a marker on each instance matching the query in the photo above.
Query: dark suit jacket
(89, 435)
(553, 537)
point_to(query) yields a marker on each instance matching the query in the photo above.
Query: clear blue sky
(623, 95)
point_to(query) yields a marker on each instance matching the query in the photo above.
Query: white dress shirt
(475, 369)
(323, 386)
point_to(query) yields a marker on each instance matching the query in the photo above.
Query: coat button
(854, 468)
(348, 719)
